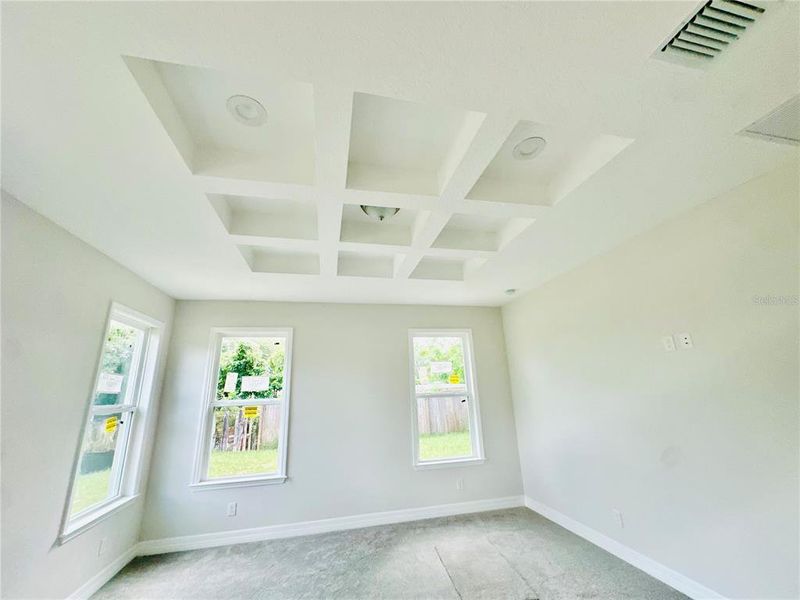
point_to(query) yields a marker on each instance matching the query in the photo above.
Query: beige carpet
(508, 554)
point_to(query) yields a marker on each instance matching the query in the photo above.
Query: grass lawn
(247, 462)
(444, 445)
(90, 488)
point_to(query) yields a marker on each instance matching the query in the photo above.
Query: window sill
(78, 526)
(443, 464)
(222, 484)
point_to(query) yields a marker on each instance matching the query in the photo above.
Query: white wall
(698, 448)
(350, 424)
(56, 292)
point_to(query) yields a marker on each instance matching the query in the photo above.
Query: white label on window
(444, 366)
(110, 383)
(230, 382)
(255, 383)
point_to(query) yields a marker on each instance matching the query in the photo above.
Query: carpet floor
(508, 554)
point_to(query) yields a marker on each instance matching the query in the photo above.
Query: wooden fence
(240, 433)
(442, 415)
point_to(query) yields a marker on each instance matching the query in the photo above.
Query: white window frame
(200, 480)
(476, 434)
(129, 452)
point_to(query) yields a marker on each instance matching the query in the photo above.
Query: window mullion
(110, 409)
(464, 394)
(253, 402)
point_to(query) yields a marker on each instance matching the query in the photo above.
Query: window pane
(251, 368)
(94, 481)
(245, 441)
(120, 355)
(439, 364)
(443, 425)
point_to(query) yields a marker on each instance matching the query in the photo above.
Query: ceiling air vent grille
(712, 29)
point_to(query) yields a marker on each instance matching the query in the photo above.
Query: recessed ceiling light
(529, 148)
(247, 110)
(379, 212)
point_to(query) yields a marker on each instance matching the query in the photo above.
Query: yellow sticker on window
(111, 424)
(454, 378)
(250, 412)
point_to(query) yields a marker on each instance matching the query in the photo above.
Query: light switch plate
(668, 342)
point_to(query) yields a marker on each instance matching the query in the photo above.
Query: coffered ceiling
(117, 124)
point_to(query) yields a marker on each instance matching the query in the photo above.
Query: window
(445, 401)
(246, 414)
(106, 468)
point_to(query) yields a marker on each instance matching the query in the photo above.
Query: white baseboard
(653, 568)
(257, 534)
(101, 578)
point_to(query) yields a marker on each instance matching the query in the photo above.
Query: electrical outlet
(668, 342)
(618, 517)
(232, 506)
(685, 341)
(460, 484)
(101, 547)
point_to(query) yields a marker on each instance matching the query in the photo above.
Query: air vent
(782, 125)
(712, 29)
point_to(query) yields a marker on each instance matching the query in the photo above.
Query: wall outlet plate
(668, 342)
(618, 517)
(232, 507)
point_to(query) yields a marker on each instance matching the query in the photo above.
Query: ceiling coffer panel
(712, 29)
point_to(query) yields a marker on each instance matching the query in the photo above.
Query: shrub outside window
(245, 419)
(446, 416)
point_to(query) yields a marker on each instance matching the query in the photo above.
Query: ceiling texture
(115, 125)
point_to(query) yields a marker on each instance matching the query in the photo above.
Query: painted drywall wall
(350, 425)
(56, 292)
(698, 448)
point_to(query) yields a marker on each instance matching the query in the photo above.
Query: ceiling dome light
(379, 212)
(247, 110)
(529, 148)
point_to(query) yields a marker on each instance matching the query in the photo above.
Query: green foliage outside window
(440, 349)
(251, 357)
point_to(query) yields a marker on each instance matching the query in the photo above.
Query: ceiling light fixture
(379, 212)
(247, 110)
(529, 148)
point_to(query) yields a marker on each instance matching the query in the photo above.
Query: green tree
(248, 358)
(436, 350)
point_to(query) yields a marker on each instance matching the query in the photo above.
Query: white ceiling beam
(476, 154)
(395, 249)
(427, 227)
(225, 186)
(333, 111)
(471, 153)
(293, 244)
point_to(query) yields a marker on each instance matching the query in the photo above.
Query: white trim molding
(271, 532)
(104, 576)
(644, 563)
